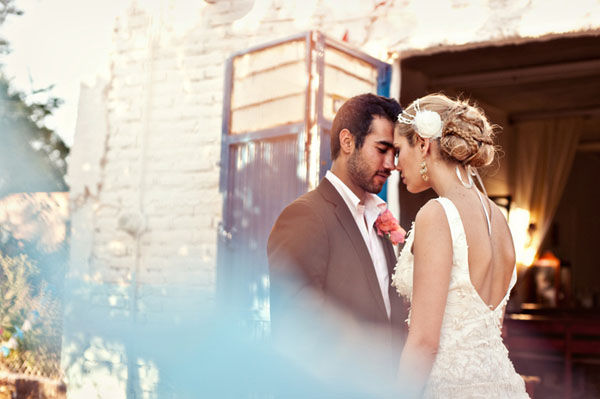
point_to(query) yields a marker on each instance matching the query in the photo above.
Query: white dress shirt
(365, 216)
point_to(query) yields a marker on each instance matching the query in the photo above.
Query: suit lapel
(390, 256)
(358, 243)
(399, 311)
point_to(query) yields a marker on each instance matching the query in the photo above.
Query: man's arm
(298, 252)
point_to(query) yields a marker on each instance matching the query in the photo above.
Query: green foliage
(28, 145)
(38, 350)
(7, 7)
(33, 159)
(27, 119)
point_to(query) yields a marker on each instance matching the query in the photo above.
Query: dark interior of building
(548, 79)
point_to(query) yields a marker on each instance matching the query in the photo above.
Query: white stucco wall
(144, 168)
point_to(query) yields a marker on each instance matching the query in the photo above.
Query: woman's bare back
(491, 257)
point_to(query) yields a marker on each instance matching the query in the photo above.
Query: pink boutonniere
(388, 227)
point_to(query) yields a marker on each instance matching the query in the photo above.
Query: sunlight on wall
(179, 16)
(379, 50)
(36, 217)
(303, 10)
(149, 376)
(101, 368)
(519, 225)
(449, 23)
(251, 21)
(313, 162)
(545, 16)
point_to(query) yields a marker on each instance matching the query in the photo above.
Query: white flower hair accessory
(427, 124)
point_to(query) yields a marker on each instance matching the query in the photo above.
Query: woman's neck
(444, 181)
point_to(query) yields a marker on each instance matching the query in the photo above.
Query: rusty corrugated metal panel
(264, 182)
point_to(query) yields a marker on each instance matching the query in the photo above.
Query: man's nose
(388, 162)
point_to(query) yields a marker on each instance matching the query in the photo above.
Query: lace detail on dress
(472, 361)
(403, 272)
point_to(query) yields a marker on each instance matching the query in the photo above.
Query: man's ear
(346, 142)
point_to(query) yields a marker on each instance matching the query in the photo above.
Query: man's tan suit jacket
(324, 288)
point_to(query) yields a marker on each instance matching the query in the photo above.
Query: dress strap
(459, 239)
(487, 215)
(470, 184)
(451, 213)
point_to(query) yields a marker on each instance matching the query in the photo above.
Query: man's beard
(361, 175)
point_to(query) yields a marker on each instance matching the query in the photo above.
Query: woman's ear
(424, 145)
(346, 141)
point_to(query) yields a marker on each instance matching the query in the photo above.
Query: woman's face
(408, 163)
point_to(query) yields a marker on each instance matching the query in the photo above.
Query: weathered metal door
(280, 99)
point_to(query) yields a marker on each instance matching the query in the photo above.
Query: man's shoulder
(302, 219)
(313, 207)
(310, 202)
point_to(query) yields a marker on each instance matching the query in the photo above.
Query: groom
(332, 305)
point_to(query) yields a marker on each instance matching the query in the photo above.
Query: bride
(457, 266)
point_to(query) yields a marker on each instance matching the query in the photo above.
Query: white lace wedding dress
(472, 361)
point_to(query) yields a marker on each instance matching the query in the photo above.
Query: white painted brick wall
(168, 99)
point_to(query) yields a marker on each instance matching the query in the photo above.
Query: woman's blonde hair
(467, 135)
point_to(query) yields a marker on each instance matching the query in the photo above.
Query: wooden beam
(517, 76)
(558, 113)
(589, 146)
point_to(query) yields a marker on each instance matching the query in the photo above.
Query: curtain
(545, 150)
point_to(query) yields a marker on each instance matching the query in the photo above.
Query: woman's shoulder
(431, 215)
(433, 235)
(432, 210)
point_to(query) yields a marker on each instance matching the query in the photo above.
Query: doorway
(517, 85)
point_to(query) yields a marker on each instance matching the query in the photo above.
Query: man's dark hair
(356, 115)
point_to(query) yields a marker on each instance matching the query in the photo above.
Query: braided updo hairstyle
(467, 135)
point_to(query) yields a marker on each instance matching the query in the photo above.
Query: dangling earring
(470, 179)
(424, 171)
